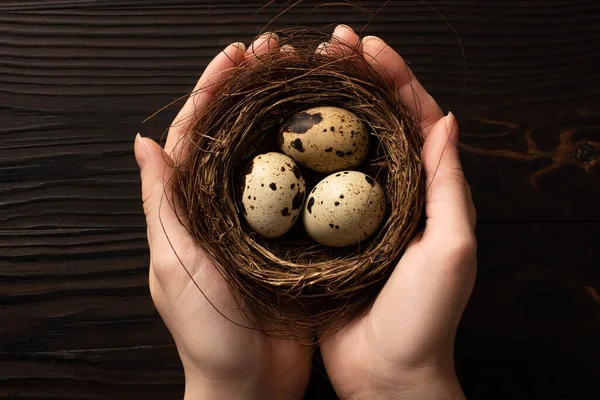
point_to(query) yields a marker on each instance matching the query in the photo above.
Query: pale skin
(401, 349)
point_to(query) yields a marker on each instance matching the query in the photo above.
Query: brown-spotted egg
(344, 209)
(273, 194)
(325, 139)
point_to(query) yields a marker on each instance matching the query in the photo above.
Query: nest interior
(292, 282)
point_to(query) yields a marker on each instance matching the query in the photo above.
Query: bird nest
(292, 282)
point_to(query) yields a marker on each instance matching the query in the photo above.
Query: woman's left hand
(222, 359)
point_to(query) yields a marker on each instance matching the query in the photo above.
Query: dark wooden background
(78, 77)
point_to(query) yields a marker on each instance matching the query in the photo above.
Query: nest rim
(307, 285)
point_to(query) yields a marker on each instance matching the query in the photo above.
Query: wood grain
(78, 77)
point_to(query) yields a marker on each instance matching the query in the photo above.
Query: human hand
(403, 347)
(222, 358)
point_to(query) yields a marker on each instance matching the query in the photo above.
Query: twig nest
(294, 282)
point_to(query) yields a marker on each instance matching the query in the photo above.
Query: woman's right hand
(403, 347)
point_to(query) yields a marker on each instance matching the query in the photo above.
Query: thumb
(423, 300)
(448, 204)
(156, 170)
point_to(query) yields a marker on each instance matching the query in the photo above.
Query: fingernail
(450, 120)
(451, 126)
(287, 48)
(269, 35)
(241, 46)
(322, 48)
(343, 26)
(371, 39)
(142, 153)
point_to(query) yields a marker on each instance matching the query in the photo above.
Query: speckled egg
(344, 209)
(325, 139)
(273, 194)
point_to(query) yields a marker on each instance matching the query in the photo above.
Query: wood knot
(584, 152)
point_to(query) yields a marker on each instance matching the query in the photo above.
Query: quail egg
(344, 209)
(325, 139)
(273, 194)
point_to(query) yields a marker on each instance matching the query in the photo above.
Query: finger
(165, 229)
(264, 44)
(176, 260)
(217, 70)
(287, 48)
(421, 303)
(391, 67)
(448, 204)
(345, 41)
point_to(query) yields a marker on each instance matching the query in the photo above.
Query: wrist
(197, 391)
(416, 385)
(201, 388)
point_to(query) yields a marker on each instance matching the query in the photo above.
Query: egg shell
(273, 194)
(325, 139)
(344, 209)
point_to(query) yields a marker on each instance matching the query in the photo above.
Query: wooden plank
(532, 326)
(78, 77)
(63, 73)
